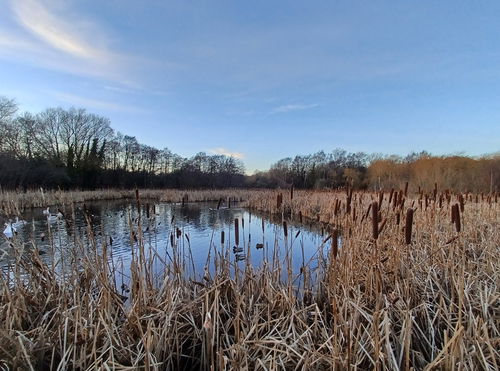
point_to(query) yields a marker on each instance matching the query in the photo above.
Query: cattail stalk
(408, 226)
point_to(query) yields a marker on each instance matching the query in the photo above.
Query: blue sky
(264, 80)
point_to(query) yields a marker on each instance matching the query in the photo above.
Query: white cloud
(294, 107)
(48, 34)
(71, 36)
(226, 152)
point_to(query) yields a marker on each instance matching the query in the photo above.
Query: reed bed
(15, 202)
(401, 289)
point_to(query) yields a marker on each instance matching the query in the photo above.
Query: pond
(189, 233)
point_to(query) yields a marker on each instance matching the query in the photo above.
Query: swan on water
(9, 230)
(19, 223)
(46, 212)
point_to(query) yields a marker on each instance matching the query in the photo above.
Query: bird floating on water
(9, 230)
(19, 222)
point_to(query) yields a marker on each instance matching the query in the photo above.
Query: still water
(194, 228)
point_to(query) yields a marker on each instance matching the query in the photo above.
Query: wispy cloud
(293, 107)
(226, 152)
(49, 34)
(59, 33)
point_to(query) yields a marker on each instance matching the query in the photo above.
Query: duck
(9, 230)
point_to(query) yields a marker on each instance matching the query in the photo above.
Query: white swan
(46, 212)
(19, 223)
(9, 230)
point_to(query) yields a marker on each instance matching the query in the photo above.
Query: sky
(264, 80)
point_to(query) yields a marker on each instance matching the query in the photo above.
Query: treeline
(76, 149)
(339, 169)
(73, 148)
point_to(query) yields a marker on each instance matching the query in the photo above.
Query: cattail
(147, 210)
(222, 237)
(236, 232)
(285, 229)
(457, 218)
(279, 200)
(390, 196)
(406, 189)
(398, 217)
(348, 203)
(291, 192)
(375, 220)
(300, 217)
(380, 199)
(435, 191)
(408, 227)
(335, 243)
(461, 200)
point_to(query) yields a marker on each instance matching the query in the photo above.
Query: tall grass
(391, 295)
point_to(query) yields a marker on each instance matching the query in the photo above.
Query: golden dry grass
(379, 304)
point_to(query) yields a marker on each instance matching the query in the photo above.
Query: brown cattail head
(222, 237)
(348, 203)
(335, 243)
(236, 232)
(406, 189)
(408, 226)
(285, 229)
(291, 192)
(458, 225)
(375, 220)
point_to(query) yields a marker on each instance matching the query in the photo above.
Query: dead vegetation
(400, 290)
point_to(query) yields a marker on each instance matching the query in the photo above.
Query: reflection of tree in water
(200, 217)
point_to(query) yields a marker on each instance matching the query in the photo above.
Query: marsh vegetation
(412, 282)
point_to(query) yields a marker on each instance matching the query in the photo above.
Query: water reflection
(194, 230)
